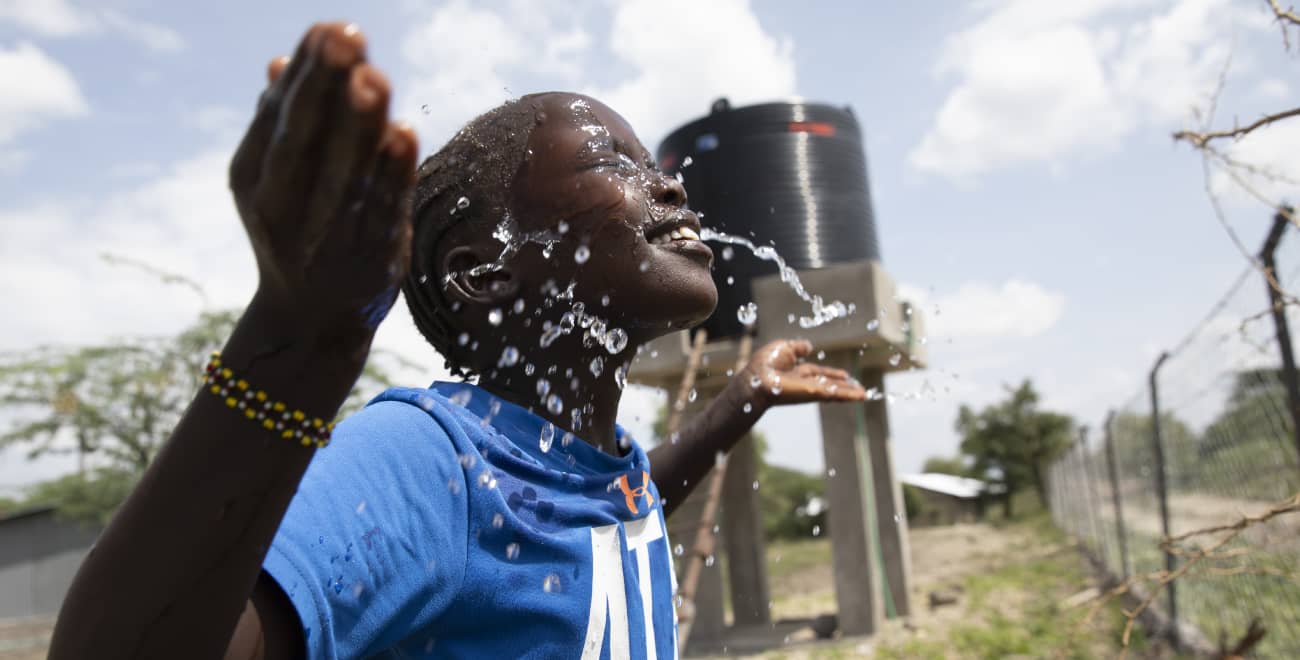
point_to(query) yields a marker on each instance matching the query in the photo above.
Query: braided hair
(467, 182)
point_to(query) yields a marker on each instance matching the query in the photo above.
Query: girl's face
(629, 240)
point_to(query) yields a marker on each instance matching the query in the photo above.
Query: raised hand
(322, 181)
(778, 375)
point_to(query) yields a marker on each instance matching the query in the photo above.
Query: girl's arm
(775, 375)
(321, 183)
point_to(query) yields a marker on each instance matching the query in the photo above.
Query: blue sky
(1027, 191)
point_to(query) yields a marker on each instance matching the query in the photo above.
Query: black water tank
(793, 175)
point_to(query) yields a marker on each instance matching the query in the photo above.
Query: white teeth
(689, 233)
(676, 234)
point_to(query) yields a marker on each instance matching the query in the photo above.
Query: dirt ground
(945, 560)
(25, 639)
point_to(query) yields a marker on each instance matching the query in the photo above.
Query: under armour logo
(632, 494)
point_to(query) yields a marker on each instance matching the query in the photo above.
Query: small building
(946, 499)
(39, 555)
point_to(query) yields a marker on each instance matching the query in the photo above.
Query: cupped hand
(322, 181)
(778, 374)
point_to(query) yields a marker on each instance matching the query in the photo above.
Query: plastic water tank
(792, 175)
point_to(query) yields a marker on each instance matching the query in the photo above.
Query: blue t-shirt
(448, 523)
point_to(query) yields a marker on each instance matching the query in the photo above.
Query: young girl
(507, 518)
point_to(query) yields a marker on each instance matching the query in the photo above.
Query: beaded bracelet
(273, 415)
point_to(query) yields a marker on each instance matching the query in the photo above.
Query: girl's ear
(494, 287)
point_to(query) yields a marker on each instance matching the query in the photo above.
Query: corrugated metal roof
(963, 487)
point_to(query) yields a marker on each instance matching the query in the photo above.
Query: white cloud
(59, 18)
(714, 49)
(1013, 309)
(464, 60)
(1037, 81)
(1273, 171)
(461, 58)
(34, 89)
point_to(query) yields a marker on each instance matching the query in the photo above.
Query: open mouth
(682, 227)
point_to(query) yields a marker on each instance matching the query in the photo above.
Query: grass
(1015, 610)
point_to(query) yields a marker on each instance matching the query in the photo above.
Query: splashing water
(747, 313)
(620, 376)
(822, 311)
(546, 438)
(597, 366)
(509, 357)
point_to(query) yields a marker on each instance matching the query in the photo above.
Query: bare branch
(1201, 140)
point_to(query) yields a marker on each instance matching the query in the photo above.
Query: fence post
(1278, 308)
(1121, 532)
(1162, 489)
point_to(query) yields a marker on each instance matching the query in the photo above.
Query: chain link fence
(1183, 494)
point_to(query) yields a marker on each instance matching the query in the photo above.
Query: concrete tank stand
(867, 521)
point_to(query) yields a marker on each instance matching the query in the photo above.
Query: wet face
(625, 233)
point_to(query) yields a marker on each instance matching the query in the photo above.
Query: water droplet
(519, 306)
(597, 366)
(821, 355)
(620, 376)
(509, 357)
(686, 162)
(462, 203)
(543, 387)
(494, 316)
(756, 484)
(512, 551)
(728, 253)
(498, 520)
(747, 313)
(546, 438)
(708, 561)
(747, 408)
(582, 254)
(425, 108)
(874, 394)
(562, 227)
(529, 369)
(873, 325)
(678, 549)
(730, 280)
(604, 301)
(551, 584)
(453, 485)
(895, 359)
(755, 382)
(831, 472)
(555, 404)
(776, 387)
(692, 395)
(463, 338)
(615, 340)
(566, 439)
(817, 530)
(675, 437)
(645, 265)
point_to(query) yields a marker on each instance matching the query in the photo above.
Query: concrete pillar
(891, 514)
(849, 496)
(742, 536)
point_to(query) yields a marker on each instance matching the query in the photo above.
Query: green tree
(954, 465)
(1012, 441)
(1132, 436)
(114, 404)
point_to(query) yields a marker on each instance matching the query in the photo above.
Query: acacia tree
(1011, 442)
(115, 404)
